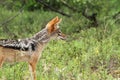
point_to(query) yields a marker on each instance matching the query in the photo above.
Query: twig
(11, 18)
(84, 13)
(53, 9)
(5, 28)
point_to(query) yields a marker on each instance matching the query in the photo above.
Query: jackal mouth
(62, 38)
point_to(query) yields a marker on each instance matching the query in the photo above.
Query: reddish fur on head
(52, 25)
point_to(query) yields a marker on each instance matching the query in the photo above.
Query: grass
(88, 54)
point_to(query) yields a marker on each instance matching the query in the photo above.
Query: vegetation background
(92, 50)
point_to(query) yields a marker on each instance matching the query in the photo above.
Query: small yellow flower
(97, 50)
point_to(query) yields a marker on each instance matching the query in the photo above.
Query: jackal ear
(52, 25)
(59, 21)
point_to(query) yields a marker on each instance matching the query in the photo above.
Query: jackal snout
(61, 36)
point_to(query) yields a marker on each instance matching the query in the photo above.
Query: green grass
(89, 54)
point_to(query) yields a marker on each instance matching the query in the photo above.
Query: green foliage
(88, 53)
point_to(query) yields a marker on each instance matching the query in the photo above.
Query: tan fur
(11, 56)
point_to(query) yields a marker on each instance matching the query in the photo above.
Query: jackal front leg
(32, 68)
(1, 60)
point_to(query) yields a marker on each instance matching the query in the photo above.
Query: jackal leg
(1, 60)
(32, 67)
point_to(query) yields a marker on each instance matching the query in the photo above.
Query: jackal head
(54, 30)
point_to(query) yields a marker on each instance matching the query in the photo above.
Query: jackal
(30, 49)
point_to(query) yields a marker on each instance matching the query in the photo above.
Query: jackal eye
(59, 33)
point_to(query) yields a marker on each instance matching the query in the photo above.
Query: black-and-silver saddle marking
(23, 45)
